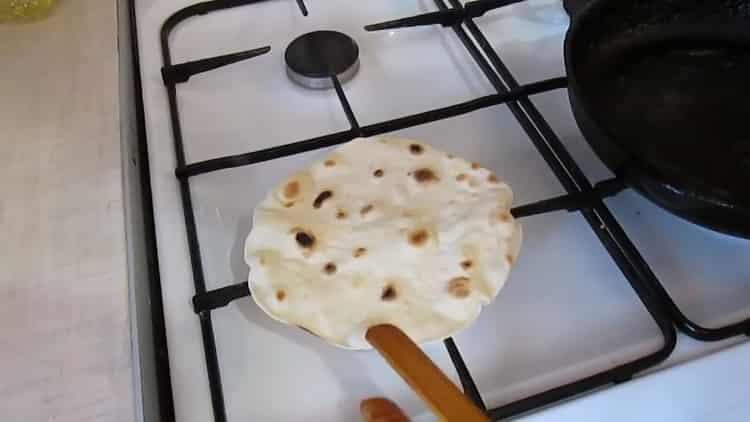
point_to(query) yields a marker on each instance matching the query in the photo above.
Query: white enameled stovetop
(566, 312)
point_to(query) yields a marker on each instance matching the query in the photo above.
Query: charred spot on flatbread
(304, 239)
(280, 295)
(425, 176)
(322, 197)
(291, 189)
(419, 237)
(389, 293)
(459, 287)
(330, 268)
(366, 209)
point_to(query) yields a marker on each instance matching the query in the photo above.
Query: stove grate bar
(212, 366)
(302, 7)
(218, 298)
(683, 323)
(404, 122)
(213, 370)
(346, 106)
(179, 73)
(467, 381)
(272, 153)
(445, 17)
(576, 201)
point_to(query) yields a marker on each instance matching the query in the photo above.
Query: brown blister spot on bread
(341, 214)
(389, 293)
(450, 156)
(329, 163)
(492, 178)
(304, 239)
(288, 204)
(322, 197)
(366, 209)
(475, 166)
(467, 264)
(291, 189)
(359, 252)
(416, 149)
(329, 268)
(419, 237)
(510, 259)
(459, 287)
(280, 295)
(461, 177)
(378, 173)
(425, 175)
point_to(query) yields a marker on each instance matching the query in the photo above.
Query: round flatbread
(382, 231)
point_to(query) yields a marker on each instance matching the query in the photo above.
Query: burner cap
(312, 58)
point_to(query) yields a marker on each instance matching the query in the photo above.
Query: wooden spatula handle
(416, 368)
(379, 409)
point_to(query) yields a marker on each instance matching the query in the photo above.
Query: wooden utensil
(424, 377)
(379, 409)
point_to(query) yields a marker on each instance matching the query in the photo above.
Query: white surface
(566, 312)
(65, 350)
(710, 389)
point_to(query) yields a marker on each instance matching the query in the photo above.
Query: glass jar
(25, 10)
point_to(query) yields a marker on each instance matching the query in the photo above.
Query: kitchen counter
(65, 349)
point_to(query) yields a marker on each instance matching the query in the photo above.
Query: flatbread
(382, 231)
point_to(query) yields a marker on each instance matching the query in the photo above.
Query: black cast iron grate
(581, 195)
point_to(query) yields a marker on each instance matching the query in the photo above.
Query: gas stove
(237, 95)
